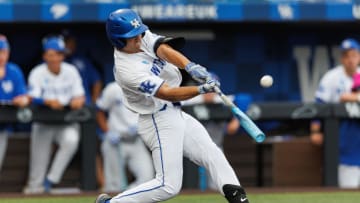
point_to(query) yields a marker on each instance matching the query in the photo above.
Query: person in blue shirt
(349, 142)
(92, 84)
(335, 87)
(12, 90)
(89, 74)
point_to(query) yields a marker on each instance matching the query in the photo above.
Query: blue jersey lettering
(147, 87)
(158, 65)
(155, 70)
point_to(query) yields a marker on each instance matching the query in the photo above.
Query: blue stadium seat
(108, 72)
(249, 48)
(290, 81)
(222, 48)
(197, 51)
(228, 74)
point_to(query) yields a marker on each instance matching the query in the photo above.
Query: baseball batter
(55, 84)
(12, 90)
(121, 143)
(146, 68)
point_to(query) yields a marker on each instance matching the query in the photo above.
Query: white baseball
(266, 81)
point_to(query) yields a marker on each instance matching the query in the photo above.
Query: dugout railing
(329, 114)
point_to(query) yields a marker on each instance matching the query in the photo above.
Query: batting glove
(209, 86)
(113, 136)
(197, 72)
(132, 130)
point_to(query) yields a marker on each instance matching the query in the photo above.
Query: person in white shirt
(121, 144)
(54, 84)
(147, 70)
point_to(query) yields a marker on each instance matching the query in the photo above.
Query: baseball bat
(244, 120)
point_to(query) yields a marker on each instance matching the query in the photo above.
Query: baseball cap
(356, 82)
(349, 43)
(54, 42)
(3, 42)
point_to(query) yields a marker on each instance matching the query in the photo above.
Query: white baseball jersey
(333, 84)
(120, 117)
(140, 75)
(63, 86)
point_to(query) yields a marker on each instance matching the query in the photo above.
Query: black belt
(129, 139)
(175, 104)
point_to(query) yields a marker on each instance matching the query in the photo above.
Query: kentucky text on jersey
(158, 65)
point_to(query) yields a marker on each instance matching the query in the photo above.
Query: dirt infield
(263, 190)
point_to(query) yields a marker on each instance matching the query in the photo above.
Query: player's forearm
(169, 54)
(77, 102)
(43, 101)
(101, 120)
(96, 91)
(178, 93)
(233, 126)
(21, 100)
(350, 97)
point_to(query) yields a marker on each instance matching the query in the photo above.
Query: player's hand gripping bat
(244, 120)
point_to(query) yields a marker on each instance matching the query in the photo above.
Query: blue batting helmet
(123, 24)
(349, 43)
(4, 44)
(55, 42)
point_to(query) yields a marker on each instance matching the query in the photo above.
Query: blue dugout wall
(240, 53)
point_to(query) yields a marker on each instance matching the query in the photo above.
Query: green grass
(330, 197)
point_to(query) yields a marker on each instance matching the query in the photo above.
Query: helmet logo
(135, 23)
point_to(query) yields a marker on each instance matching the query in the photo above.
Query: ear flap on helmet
(121, 42)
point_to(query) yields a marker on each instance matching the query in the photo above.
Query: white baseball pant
(67, 138)
(349, 176)
(171, 134)
(114, 167)
(216, 130)
(3, 146)
(135, 155)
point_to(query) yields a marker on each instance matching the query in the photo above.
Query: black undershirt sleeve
(176, 43)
